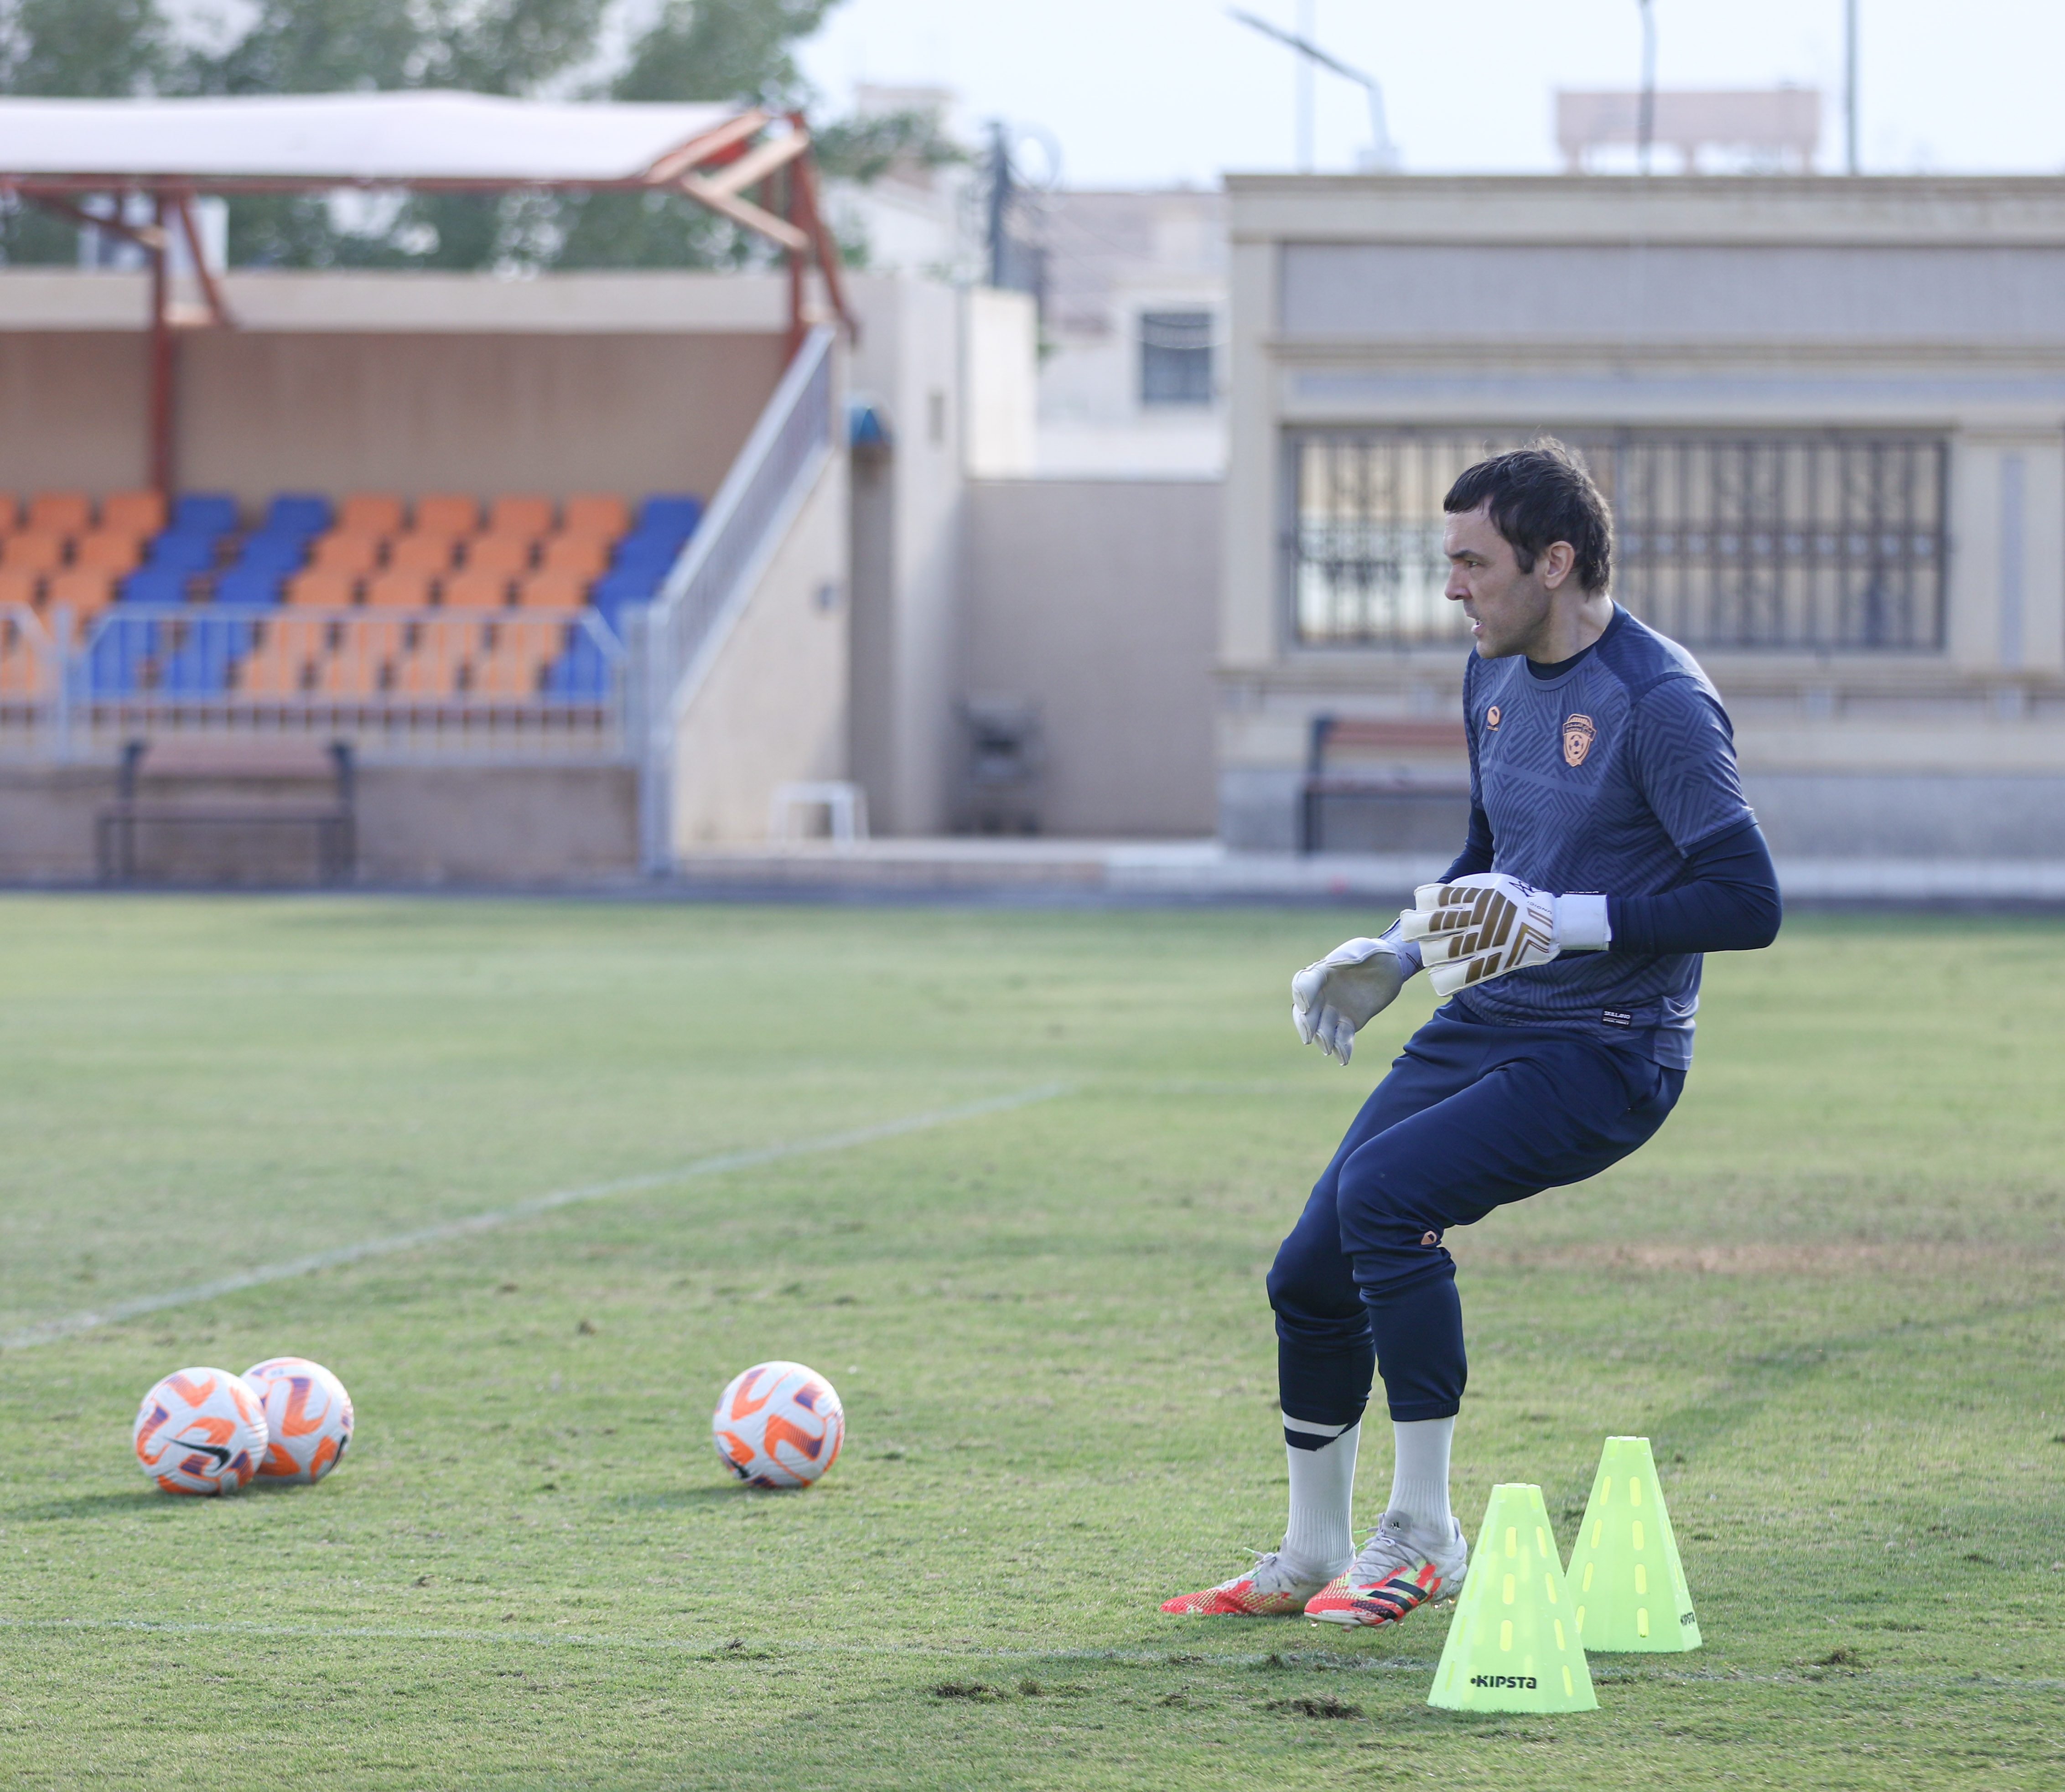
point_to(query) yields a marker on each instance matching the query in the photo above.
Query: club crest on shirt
(1491, 716)
(1578, 735)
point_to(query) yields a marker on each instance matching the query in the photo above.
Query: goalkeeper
(1608, 847)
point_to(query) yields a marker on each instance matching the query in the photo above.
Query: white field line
(71, 1325)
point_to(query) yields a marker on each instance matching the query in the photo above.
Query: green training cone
(1626, 1580)
(1513, 1644)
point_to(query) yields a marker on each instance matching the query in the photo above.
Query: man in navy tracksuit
(1608, 847)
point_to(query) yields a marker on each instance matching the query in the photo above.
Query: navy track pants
(1469, 1118)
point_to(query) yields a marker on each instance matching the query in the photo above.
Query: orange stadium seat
(85, 593)
(602, 513)
(10, 513)
(133, 513)
(446, 513)
(321, 588)
(421, 551)
(355, 554)
(522, 515)
(476, 590)
(17, 585)
(582, 557)
(428, 675)
(399, 588)
(552, 590)
(271, 671)
(370, 513)
(106, 550)
(34, 551)
(509, 674)
(506, 554)
(61, 513)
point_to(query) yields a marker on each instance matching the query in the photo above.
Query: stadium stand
(368, 597)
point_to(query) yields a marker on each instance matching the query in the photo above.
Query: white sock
(1319, 1542)
(1420, 1477)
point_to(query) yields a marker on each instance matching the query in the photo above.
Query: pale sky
(1153, 92)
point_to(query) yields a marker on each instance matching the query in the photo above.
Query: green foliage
(862, 150)
(722, 50)
(1829, 1292)
(81, 49)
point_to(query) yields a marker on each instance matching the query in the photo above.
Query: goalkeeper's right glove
(1490, 925)
(1334, 999)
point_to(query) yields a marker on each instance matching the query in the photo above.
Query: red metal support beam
(163, 361)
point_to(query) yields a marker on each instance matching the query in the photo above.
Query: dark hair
(1538, 495)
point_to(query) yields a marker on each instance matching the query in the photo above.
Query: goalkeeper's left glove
(1489, 925)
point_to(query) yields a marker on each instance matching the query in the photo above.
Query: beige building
(1830, 414)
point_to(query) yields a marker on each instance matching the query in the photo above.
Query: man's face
(1508, 609)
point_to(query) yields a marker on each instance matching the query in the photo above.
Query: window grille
(1175, 357)
(1820, 543)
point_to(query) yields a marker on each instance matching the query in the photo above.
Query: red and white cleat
(1270, 1589)
(1392, 1577)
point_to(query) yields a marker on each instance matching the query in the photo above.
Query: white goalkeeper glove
(1332, 1000)
(1490, 925)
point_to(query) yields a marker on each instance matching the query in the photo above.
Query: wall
(1924, 303)
(770, 706)
(907, 551)
(417, 825)
(1095, 600)
(407, 381)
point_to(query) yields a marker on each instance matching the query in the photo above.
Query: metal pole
(1304, 65)
(1850, 85)
(1644, 130)
(1000, 204)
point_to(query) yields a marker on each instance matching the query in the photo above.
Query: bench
(1413, 780)
(235, 792)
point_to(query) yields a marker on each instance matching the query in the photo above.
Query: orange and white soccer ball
(778, 1424)
(308, 1419)
(200, 1431)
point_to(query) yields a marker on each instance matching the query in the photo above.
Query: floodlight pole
(1645, 129)
(1310, 56)
(1850, 84)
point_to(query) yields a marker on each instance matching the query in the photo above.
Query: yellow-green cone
(1626, 1580)
(1513, 1644)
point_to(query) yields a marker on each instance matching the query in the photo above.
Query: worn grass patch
(1829, 1292)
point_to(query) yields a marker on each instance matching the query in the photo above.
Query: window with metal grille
(1821, 542)
(1175, 357)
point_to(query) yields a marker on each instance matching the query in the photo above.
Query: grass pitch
(1829, 1291)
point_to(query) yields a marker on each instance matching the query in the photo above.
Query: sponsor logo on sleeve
(1579, 735)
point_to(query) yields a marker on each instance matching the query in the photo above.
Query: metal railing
(1833, 541)
(430, 685)
(672, 642)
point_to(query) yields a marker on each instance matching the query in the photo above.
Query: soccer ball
(200, 1431)
(308, 1419)
(778, 1424)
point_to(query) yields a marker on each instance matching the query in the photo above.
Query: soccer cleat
(1270, 1589)
(1392, 1578)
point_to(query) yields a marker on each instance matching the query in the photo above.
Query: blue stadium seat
(669, 514)
(204, 512)
(114, 663)
(247, 585)
(297, 513)
(276, 554)
(182, 551)
(153, 584)
(581, 674)
(199, 665)
(614, 592)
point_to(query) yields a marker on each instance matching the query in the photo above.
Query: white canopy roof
(381, 138)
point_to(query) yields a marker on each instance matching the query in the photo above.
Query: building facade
(1830, 415)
